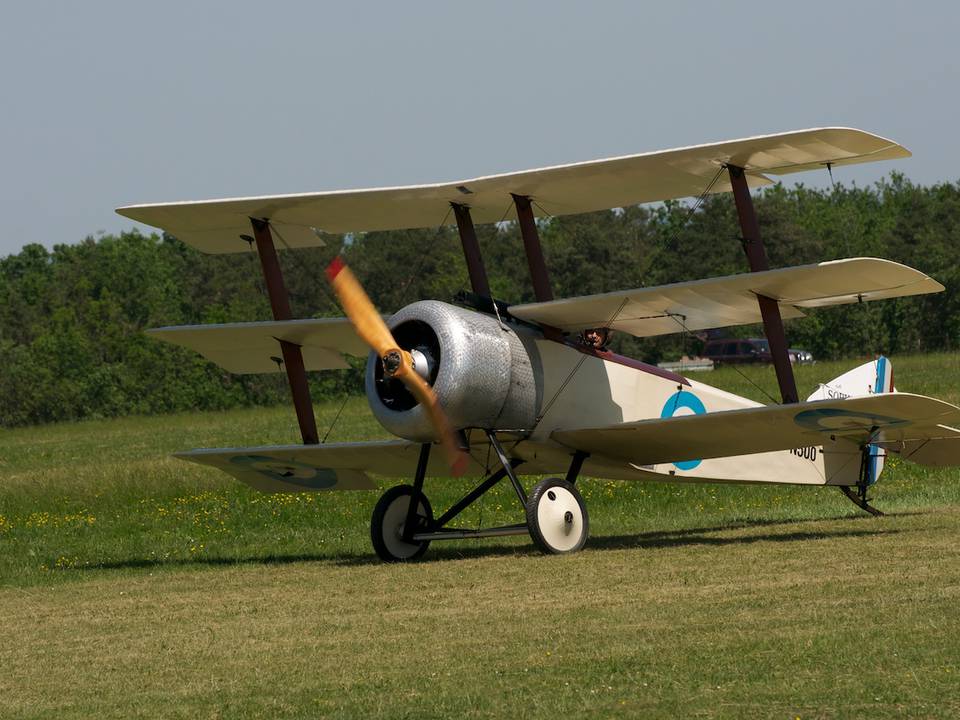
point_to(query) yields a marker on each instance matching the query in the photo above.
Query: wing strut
(531, 244)
(769, 308)
(471, 250)
(292, 356)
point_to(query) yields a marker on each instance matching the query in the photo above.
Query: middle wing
(891, 419)
(731, 300)
(254, 347)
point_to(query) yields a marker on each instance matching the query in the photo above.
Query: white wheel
(388, 521)
(557, 517)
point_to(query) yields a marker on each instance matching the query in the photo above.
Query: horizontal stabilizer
(216, 226)
(887, 419)
(731, 300)
(254, 347)
(942, 451)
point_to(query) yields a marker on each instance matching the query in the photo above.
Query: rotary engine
(480, 371)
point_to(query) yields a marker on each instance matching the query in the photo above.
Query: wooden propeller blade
(424, 394)
(374, 331)
(366, 320)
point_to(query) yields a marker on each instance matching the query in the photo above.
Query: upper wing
(215, 226)
(888, 419)
(731, 300)
(253, 347)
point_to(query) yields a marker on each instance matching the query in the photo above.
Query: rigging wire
(569, 377)
(336, 305)
(696, 205)
(623, 304)
(303, 267)
(549, 215)
(686, 331)
(505, 213)
(337, 417)
(772, 398)
(423, 256)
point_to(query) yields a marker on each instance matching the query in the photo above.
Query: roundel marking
(834, 419)
(689, 401)
(290, 472)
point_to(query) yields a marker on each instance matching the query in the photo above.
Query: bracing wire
(686, 331)
(423, 256)
(337, 417)
(303, 267)
(749, 380)
(696, 205)
(576, 367)
(623, 304)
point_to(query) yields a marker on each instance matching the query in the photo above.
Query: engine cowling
(480, 370)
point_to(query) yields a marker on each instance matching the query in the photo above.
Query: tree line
(72, 318)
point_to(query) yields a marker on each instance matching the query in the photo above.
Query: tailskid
(859, 498)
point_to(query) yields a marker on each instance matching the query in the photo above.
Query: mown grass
(132, 584)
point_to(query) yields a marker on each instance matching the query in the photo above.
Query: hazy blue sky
(109, 103)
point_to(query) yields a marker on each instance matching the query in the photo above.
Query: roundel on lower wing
(290, 472)
(837, 419)
(676, 403)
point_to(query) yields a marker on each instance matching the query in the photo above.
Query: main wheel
(557, 517)
(389, 518)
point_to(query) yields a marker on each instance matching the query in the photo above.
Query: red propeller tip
(334, 268)
(459, 466)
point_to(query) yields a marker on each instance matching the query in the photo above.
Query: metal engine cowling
(479, 369)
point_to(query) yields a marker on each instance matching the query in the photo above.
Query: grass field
(132, 584)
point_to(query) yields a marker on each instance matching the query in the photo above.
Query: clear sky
(110, 103)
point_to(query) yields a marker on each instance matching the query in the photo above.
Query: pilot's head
(596, 338)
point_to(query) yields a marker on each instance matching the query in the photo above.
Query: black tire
(386, 524)
(557, 517)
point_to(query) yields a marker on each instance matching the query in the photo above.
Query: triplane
(532, 386)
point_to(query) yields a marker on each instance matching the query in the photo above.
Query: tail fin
(871, 378)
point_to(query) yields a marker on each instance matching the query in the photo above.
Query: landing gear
(557, 517)
(388, 527)
(868, 476)
(859, 498)
(403, 526)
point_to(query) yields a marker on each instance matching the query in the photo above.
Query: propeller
(397, 362)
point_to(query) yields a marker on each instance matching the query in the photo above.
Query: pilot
(596, 338)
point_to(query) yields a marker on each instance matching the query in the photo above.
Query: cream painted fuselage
(585, 389)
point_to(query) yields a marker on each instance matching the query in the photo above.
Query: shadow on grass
(660, 539)
(644, 541)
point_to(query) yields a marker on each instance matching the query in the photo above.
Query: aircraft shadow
(658, 539)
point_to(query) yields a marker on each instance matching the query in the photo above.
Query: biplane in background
(520, 383)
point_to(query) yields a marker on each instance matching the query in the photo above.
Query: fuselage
(583, 388)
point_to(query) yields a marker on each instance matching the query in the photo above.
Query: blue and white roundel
(686, 403)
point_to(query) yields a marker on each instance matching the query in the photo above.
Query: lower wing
(893, 420)
(344, 466)
(310, 468)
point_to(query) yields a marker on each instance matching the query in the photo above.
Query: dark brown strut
(292, 356)
(769, 308)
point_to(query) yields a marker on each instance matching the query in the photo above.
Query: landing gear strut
(403, 526)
